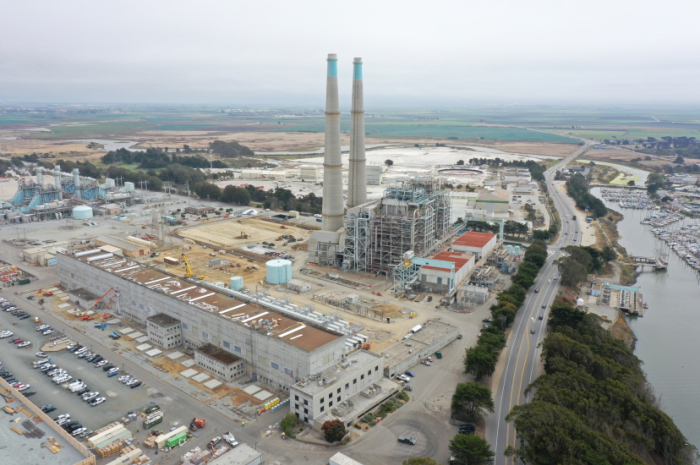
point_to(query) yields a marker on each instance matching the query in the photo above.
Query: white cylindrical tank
(579, 302)
(40, 175)
(129, 186)
(92, 258)
(278, 271)
(82, 212)
(236, 283)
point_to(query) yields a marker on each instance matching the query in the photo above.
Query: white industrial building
(475, 243)
(440, 279)
(375, 173)
(278, 348)
(220, 363)
(310, 173)
(347, 390)
(164, 331)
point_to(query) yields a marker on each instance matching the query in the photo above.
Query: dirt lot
(552, 149)
(226, 234)
(623, 157)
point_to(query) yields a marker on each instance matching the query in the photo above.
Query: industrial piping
(332, 208)
(76, 183)
(357, 179)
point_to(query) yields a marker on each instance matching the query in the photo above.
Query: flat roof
(429, 334)
(297, 333)
(121, 243)
(161, 319)
(241, 455)
(218, 353)
(354, 365)
(474, 239)
(459, 259)
(343, 459)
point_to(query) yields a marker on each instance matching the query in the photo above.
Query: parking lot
(120, 399)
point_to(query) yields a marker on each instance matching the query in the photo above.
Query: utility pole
(188, 191)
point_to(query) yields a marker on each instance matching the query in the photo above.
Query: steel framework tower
(332, 209)
(357, 179)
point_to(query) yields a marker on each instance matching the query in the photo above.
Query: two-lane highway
(522, 353)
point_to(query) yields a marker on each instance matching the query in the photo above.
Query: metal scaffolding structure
(412, 215)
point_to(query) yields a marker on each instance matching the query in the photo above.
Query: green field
(440, 131)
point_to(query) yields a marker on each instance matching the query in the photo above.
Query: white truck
(228, 437)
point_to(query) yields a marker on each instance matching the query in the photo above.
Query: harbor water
(667, 335)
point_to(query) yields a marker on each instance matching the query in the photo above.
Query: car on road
(467, 428)
(540, 317)
(407, 440)
(97, 401)
(532, 330)
(41, 355)
(487, 320)
(537, 289)
(48, 408)
(544, 305)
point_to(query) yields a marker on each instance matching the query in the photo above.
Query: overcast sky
(435, 53)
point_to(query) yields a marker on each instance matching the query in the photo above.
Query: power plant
(412, 216)
(37, 201)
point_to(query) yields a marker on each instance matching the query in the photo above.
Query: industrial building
(164, 331)
(310, 173)
(347, 390)
(475, 243)
(128, 248)
(493, 202)
(69, 195)
(279, 342)
(375, 174)
(220, 363)
(419, 344)
(444, 280)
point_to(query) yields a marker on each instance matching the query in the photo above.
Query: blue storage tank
(278, 271)
(236, 283)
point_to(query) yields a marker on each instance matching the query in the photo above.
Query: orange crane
(101, 298)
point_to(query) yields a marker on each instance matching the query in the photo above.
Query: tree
(564, 315)
(334, 430)
(679, 160)
(608, 254)
(470, 401)
(236, 195)
(420, 461)
(480, 361)
(388, 162)
(288, 423)
(471, 450)
(460, 162)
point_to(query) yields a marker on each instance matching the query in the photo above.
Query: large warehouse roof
(282, 327)
(474, 239)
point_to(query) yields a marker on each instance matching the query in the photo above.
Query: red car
(18, 341)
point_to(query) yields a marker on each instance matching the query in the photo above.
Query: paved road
(522, 353)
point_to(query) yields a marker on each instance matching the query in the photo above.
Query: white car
(97, 401)
(63, 379)
(5, 334)
(90, 395)
(113, 370)
(24, 344)
(48, 331)
(101, 363)
(23, 387)
(42, 327)
(61, 417)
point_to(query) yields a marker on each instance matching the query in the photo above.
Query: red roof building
(476, 243)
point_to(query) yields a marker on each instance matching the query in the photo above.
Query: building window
(185, 326)
(205, 335)
(369, 372)
(275, 366)
(347, 385)
(296, 397)
(338, 398)
(423, 278)
(237, 349)
(306, 410)
(376, 368)
(323, 399)
(306, 402)
(288, 372)
(330, 396)
(362, 377)
(354, 381)
(227, 344)
(330, 404)
(323, 408)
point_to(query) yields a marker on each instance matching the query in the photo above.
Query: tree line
(593, 405)
(577, 187)
(153, 158)
(580, 261)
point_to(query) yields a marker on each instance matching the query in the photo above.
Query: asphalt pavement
(523, 352)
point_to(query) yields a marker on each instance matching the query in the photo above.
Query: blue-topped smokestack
(332, 207)
(357, 178)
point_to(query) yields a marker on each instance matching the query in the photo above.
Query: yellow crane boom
(189, 273)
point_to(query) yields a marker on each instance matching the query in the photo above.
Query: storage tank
(236, 283)
(82, 212)
(278, 271)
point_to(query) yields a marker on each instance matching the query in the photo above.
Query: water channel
(667, 335)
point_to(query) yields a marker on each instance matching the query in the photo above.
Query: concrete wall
(201, 327)
(225, 371)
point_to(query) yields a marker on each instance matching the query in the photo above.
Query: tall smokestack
(76, 182)
(357, 181)
(333, 209)
(57, 177)
(40, 175)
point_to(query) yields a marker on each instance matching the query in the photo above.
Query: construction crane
(101, 298)
(189, 273)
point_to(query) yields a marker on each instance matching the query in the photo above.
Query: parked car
(101, 363)
(48, 408)
(136, 384)
(112, 373)
(24, 344)
(83, 391)
(98, 358)
(410, 373)
(107, 367)
(29, 393)
(41, 354)
(97, 401)
(90, 396)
